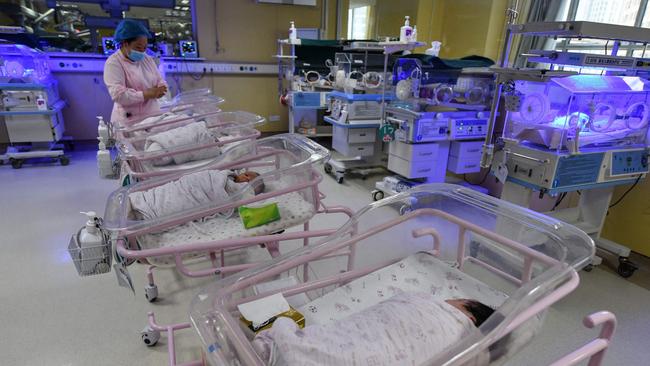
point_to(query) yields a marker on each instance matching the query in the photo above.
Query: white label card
(123, 276)
(501, 172)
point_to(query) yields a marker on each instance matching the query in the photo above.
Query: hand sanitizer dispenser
(406, 31)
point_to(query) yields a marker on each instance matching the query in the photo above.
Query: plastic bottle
(406, 31)
(104, 162)
(102, 129)
(434, 50)
(40, 103)
(414, 35)
(90, 243)
(293, 33)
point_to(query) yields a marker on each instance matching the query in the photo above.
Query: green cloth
(257, 216)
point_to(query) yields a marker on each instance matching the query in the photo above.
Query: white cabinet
(465, 157)
(354, 141)
(419, 160)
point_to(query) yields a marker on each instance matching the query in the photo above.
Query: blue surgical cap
(129, 28)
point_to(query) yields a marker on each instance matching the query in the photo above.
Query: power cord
(626, 192)
(559, 200)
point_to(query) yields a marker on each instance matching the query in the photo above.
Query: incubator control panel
(629, 162)
(423, 130)
(465, 129)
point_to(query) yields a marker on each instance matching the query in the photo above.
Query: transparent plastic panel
(167, 121)
(438, 239)
(281, 162)
(182, 144)
(131, 126)
(19, 63)
(581, 112)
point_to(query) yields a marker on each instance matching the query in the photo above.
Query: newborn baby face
(246, 177)
(461, 304)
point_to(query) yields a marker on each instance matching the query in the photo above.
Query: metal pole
(488, 147)
(383, 88)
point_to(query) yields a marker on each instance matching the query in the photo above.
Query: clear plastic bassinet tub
(286, 178)
(188, 96)
(424, 240)
(145, 155)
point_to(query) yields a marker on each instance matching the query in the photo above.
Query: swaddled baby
(192, 134)
(189, 191)
(406, 329)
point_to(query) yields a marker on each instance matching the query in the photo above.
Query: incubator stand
(305, 99)
(356, 122)
(564, 132)
(440, 120)
(30, 105)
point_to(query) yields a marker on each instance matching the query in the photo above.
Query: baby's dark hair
(479, 310)
(260, 187)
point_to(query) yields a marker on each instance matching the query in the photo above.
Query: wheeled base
(589, 216)
(339, 168)
(17, 157)
(151, 335)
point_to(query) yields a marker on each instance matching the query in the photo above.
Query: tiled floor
(50, 316)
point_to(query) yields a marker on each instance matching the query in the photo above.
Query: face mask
(136, 56)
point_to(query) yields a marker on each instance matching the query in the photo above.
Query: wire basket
(90, 260)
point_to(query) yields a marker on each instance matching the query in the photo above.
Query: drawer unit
(466, 149)
(354, 141)
(434, 171)
(415, 152)
(350, 149)
(464, 166)
(419, 160)
(354, 135)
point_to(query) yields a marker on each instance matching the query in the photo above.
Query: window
(621, 12)
(358, 22)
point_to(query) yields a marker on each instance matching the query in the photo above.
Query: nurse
(132, 77)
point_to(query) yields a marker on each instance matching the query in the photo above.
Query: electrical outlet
(274, 118)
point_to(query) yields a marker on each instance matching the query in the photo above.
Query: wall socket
(274, 118)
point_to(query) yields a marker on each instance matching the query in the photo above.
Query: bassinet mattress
(420, 272)
(294, 210)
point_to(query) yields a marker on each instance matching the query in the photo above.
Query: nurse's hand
(155, 92)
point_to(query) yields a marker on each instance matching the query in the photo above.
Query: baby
(192, 134)
(248, 176)
(409, 328)
(190, 191)
(476, 311)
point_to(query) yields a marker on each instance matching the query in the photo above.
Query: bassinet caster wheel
(404, 210)
(16, 163)
(151, 292)
(339, 180)
(377, 195)
(150, 336)
(626, 268)
(328, 168)
(64, 160)
(589, 267)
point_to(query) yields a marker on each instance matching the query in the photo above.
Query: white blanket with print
(407, 329)
(196, 133)
(189, 191)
